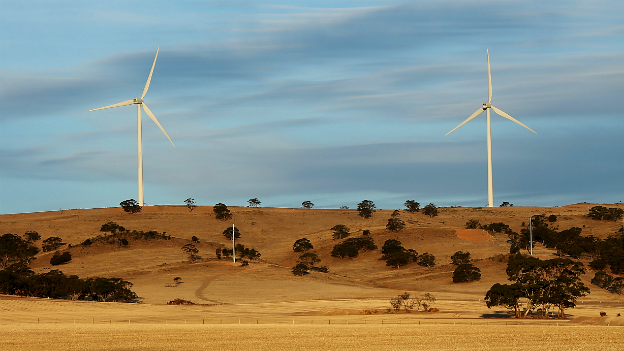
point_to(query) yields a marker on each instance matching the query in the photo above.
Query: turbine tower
(139, 102)
(486, 107)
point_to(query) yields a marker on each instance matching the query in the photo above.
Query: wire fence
(287, 321)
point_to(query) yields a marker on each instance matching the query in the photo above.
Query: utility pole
(531, 234)
(233, 245)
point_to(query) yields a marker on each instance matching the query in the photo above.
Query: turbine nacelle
(137, 101)
(486, 105)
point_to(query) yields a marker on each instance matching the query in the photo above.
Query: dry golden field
(308, 337)
(344, 309)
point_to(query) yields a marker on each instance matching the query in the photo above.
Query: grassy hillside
(151, 265)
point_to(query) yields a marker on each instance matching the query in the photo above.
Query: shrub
(221, 212)
(302, 245)
(52, 243)
(32, 236)
(309, 258)
(300, 269)
(552, 218)
(322, 269)
(254, 202)
(466, 273)
(228, 233)
(111, 227)
(473, 224)
(426, 260)
(191, 251)
(602, 279)
(460, 258)
(412, 206)
(130, 206)
(351, 247)
(343, 250)
(395, 224)
(341, 231)
(59, 258)
(603, 213)
(430, 210)
(396, 255)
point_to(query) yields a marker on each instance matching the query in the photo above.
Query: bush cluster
(60, 258)
(396, 255)
(607, 214)
(120, 236)
(351, 247)
(608, 282)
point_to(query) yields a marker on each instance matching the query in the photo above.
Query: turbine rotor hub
(486, 105)
(137, 101)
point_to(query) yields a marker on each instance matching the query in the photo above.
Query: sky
(332, 102)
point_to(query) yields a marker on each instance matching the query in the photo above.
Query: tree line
(16, 278)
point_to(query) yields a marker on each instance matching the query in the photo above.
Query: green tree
(341, 231)
(222, 212)
(554, 282)
(254, 202)
(430, 210)
(366, 208)
(130, 206)
(307, 204)
(466, 273)
(190, 203)
(412, 206)
(504, 295)
(302, 245)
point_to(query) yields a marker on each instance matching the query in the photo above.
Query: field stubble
(25, 337)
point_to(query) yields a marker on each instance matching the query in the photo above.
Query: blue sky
(328, 101)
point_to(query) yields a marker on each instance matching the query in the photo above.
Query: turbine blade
(124, 103)
(478, 112)
(500, 112)
(149, 78)
(149, 113)
(489, 78)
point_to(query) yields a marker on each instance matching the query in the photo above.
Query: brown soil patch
(477, 235)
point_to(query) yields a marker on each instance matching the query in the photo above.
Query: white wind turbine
(139, 102)
(486, 107)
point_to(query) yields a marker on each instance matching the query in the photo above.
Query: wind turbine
(486, 107)
(139, 102)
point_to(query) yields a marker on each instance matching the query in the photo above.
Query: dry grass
(266, 292)
(308, 337)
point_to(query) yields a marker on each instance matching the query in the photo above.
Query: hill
(152, 265)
